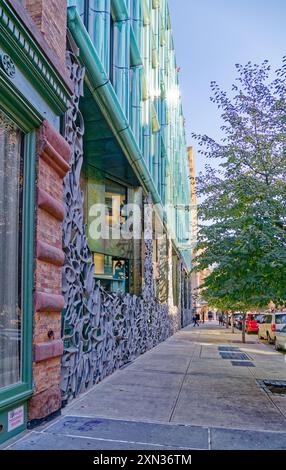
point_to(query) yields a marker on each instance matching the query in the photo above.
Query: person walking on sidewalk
(220, 320)
(195, 321)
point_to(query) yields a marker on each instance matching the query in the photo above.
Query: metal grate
(228, 348)
(277, 387)
(239, 341)
(235, 355)
(242, 363)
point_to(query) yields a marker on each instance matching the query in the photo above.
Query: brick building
(90, 115)
(34, 93)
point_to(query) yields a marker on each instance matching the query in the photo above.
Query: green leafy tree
(243, 210)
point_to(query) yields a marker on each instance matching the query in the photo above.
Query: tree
(243, 210)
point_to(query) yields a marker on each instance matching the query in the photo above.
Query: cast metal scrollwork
(101, 331)
(7, 65)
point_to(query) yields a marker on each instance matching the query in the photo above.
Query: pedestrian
(220, 319)
(195, 321)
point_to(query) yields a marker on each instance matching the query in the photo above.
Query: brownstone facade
(47, 19)
(51, 19)
(53, 163)
(35, 95)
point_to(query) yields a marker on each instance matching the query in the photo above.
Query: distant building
(199, 305)
(195, 276)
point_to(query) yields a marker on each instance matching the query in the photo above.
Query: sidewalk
(189, 392)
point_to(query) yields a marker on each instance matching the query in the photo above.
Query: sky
(210, 37)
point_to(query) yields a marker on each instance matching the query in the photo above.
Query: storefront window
(115, 201)
(11, 185)
(112, 272)
(106, 201)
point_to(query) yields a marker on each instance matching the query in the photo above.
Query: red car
(251, 324)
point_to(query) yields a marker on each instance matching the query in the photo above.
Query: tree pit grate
(242, 363)
(235, 355)
(228, 348)
(275, 387)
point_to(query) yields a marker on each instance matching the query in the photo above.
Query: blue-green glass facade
(130, 54)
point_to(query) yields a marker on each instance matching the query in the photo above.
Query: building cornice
(26, 53)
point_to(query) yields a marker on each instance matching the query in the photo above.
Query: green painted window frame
(28, 120)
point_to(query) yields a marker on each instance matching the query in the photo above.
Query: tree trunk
(243, 328)
(232, 322)
(226, 323)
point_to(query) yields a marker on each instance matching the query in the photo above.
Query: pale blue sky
(210, 37)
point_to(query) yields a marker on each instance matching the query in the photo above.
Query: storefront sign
(15, 418)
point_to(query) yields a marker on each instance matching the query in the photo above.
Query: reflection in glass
(112, 272)
(11, 179)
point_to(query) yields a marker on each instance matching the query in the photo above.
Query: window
(111, 56)
(11, 191)
(280, 319)
(112, 272)
(115, 202)
(83, 8)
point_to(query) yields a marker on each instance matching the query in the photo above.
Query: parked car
(260, 318)
(251, 324)
(238, 321)
(272, 325)
(280, 338)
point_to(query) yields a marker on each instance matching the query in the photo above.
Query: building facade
(199, 305)
(96, 265)
(35, 90)
(195, 276)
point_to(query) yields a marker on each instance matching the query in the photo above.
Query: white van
(280, 339)
(271, 326)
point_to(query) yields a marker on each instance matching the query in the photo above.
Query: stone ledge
(48, 302)
(54, 149)
(54, 160)
(44, 351)
(50, 254)
(56, 141)
(51, 205)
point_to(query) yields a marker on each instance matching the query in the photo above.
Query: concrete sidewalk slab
(39, 441)
(192, 384)
(225, 439)
(131, 406)
(180, 437)
(83, 433)
(185, 381)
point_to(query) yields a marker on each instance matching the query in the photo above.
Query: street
(198, 390)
